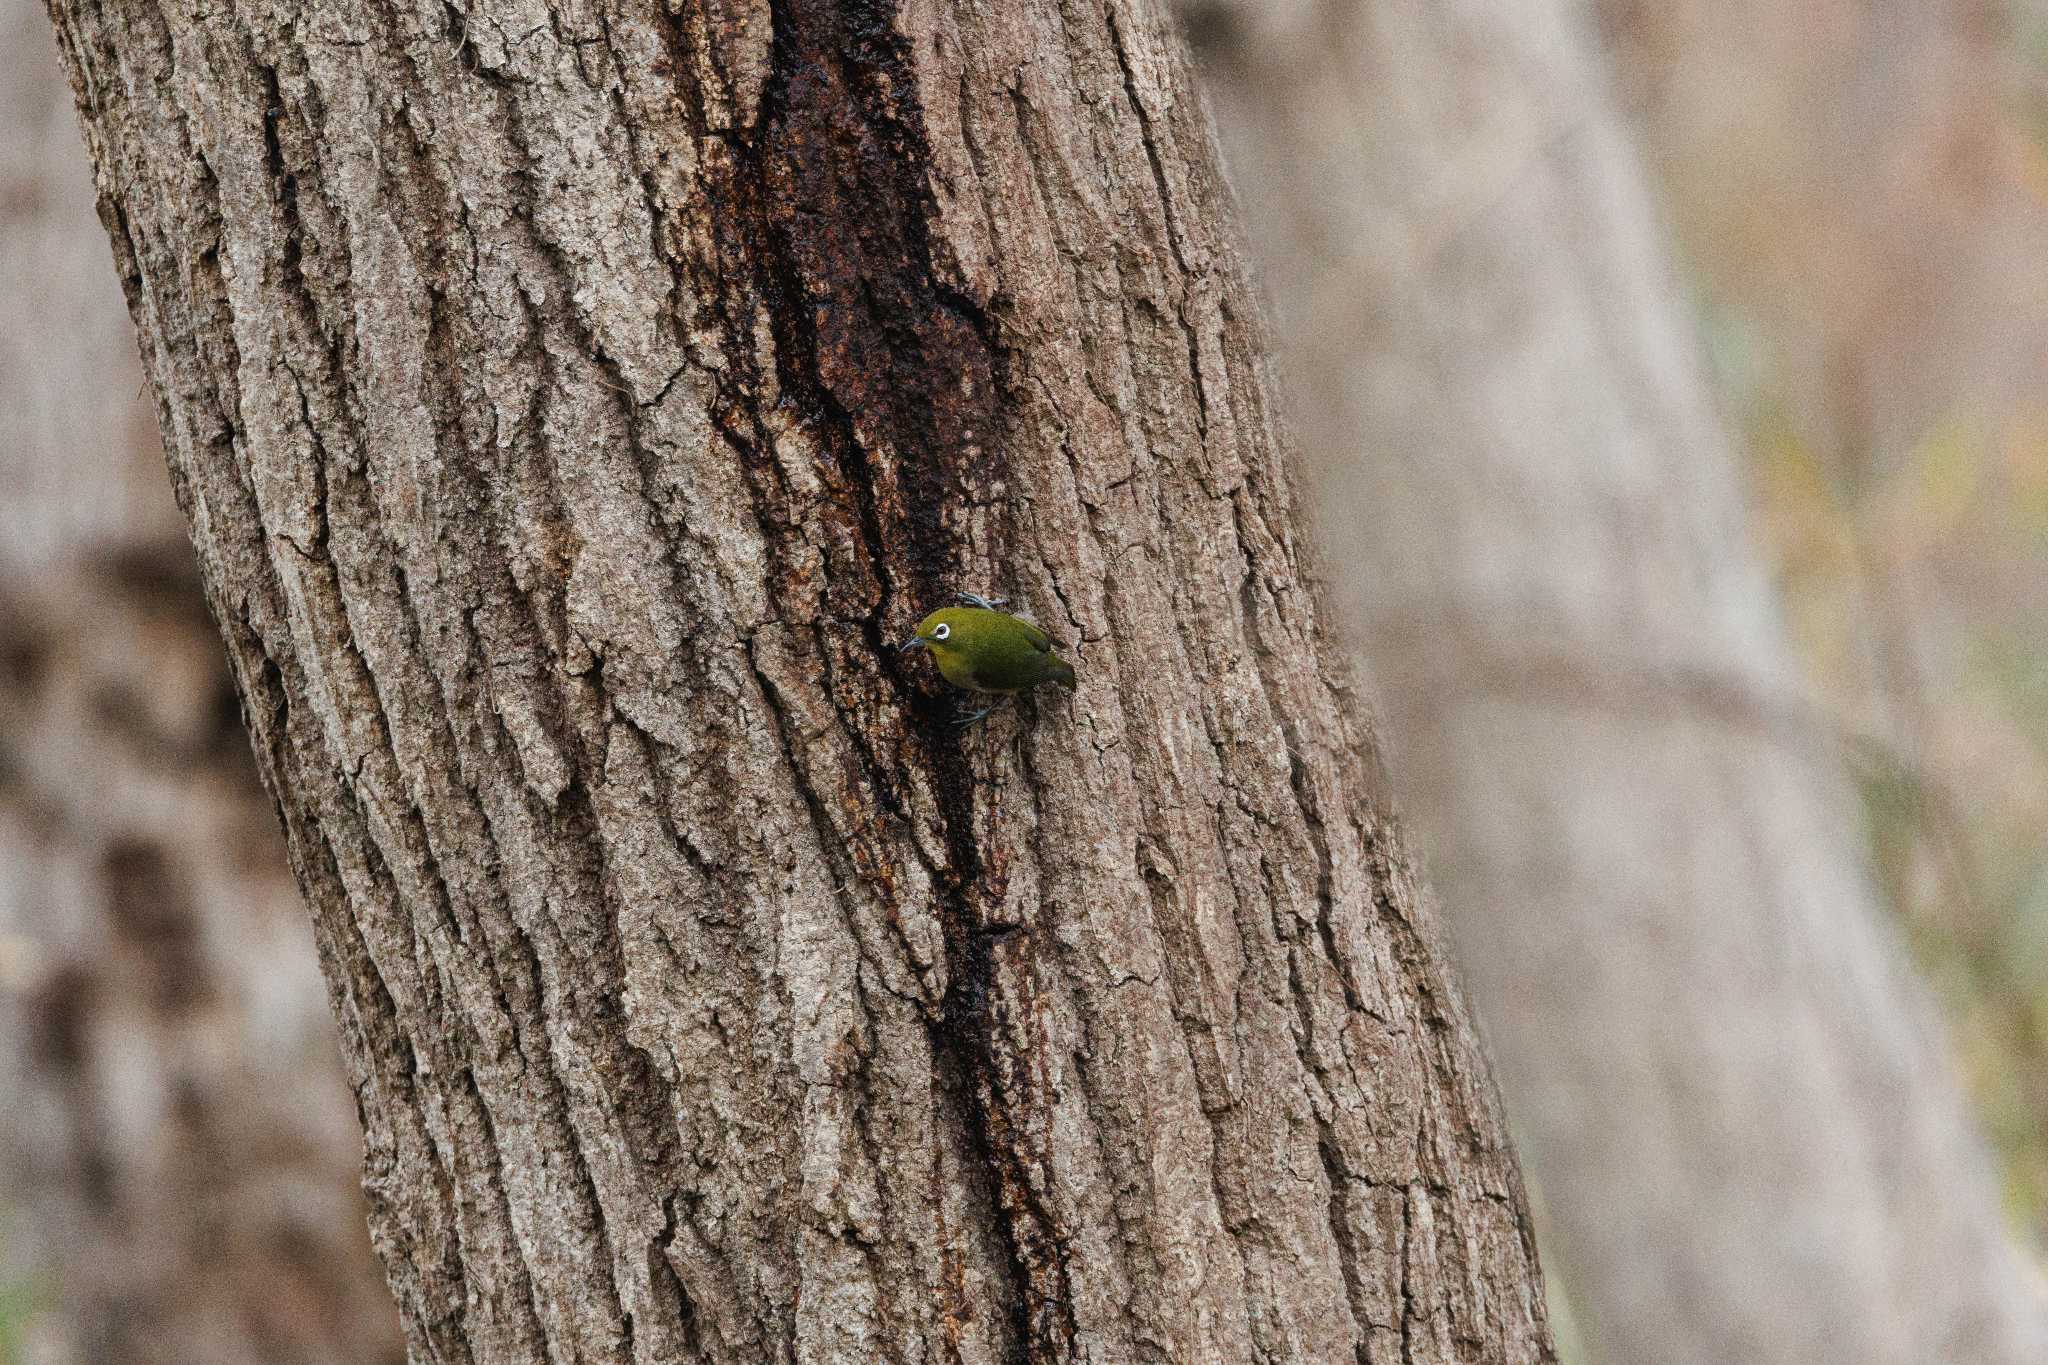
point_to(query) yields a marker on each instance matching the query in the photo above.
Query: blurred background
(1857, 196)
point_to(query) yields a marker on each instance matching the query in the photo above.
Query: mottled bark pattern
(572, 405)
(176, 1146)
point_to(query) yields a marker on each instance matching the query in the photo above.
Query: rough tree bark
(180, 1171)
(1731, 1087)
(572, 405)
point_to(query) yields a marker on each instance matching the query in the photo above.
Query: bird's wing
(1040, 641)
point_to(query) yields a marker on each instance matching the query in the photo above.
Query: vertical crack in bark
(1148, 137)
(1336, 1168)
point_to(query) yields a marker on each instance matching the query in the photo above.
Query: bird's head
(947, 632)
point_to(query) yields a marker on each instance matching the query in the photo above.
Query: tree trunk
(572, 408)
(180, 1167)
(1735, 1101)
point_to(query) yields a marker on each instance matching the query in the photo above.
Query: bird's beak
(914, 642)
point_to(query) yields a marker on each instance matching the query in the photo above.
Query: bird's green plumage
(991, 651)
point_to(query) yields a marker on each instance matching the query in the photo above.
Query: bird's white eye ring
(941, 632)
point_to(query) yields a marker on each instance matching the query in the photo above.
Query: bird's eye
(942, 632)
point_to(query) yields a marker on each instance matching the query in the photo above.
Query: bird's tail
(1062, 673)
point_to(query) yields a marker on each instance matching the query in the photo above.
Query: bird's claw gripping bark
(980, 715)
(975, 599)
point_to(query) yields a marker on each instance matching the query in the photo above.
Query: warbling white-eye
(985, 650)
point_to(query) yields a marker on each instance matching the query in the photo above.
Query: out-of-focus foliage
(1860, 194)
(22, 1297)
(1918, 598)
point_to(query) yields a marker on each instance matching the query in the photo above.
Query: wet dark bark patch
(901, 375)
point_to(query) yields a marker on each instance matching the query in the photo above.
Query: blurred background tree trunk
(1733, 1096)
(180, 1167)
(1868, 224)
(572, 407)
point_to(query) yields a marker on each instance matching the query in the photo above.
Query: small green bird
(985, 650)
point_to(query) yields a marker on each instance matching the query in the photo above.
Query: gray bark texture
(180, 1168)
(1733, 1095)
(572, 406)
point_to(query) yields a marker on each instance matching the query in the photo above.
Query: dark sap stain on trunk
(823, 213)
(904, 362)
(906, 374)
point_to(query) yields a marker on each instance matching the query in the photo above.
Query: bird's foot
(975, 599)
(980, 715)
